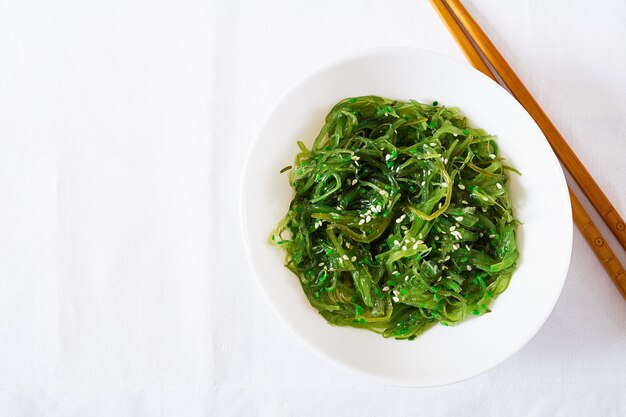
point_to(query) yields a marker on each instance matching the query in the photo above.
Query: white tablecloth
(123, 285)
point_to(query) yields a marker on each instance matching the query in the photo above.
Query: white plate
(443, 354)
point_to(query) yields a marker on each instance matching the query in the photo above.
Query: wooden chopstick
(602, 250)
(569, 159)
(463, 41)
(582, 220)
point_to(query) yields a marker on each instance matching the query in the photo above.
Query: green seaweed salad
(401, 218)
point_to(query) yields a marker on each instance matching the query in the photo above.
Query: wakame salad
(401, 218)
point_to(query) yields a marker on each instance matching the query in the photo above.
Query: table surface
(123, 130)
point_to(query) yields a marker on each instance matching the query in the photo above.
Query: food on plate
(401, 217)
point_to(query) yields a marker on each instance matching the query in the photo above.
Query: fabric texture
(124, 289)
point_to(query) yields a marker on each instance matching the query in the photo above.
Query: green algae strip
(401, 218)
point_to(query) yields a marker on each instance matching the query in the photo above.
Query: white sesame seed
(423, 183)
(469, 268)
(461, 186)
(444, 184)
(492, 236)
(419, 242)
(480, 234)
(415, 246)
(378, 208)
(396, 243)
(452, 228)
(459, 219)
(467, 247)
(396, 292)
(433, 144)
(396, 299)
(464, 202)
(368, 219)
(387, 157)
(492, 156)
(320, 264)
(456, 246)
(436, 237)
(354, 181)
(456, 224)
(394, 273)
(404, 247)
(353, 258)
(443, 267)
(385, 288)
(447, 258)
(355, 158)
(404, 227)
(345, 257)
(499, 186)
(485, 198)
(445, 161)
(399, 220)
(361, 221)
(406, 278)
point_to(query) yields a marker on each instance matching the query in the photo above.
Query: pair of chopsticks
(462, 26)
